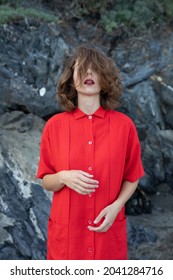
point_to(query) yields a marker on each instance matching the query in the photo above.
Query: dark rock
(153, 157)
(146, 184)
(139, 234)
(21, 239)
(142, 104)
(167, 153)
(138, 204)
(17, 120)
(163, 86)
(142, 131)
(25, 230)
(9, 252)
(164, 188)
(24, 206)
(141, 76)
(30, 60)
(169, 118)
(41, 208)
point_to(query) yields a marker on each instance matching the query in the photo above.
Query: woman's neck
(88, 105)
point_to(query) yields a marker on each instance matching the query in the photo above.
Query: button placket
(91, 201)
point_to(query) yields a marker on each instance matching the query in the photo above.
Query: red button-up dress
(106, 145)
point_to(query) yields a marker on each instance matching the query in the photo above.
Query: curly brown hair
(111, 87)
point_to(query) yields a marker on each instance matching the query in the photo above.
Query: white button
(90, 142)
(89, 222)
(90, 117)
(90, 250)
(90, 195)
(90, 168)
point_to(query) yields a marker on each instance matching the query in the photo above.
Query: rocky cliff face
(24, 206)
(31, 62)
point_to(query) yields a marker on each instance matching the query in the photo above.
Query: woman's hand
(79, 181)
(109, 214)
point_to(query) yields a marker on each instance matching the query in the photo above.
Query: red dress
(106, 145)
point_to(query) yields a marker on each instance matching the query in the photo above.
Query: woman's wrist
(62, 177)
(118, 205)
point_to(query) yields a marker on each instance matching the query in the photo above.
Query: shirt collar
(100, 112)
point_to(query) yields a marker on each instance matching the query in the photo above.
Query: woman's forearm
(77, 180)
(53, 182)
(127, 189)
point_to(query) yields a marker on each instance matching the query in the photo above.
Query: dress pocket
(118, 240)
(57, 244)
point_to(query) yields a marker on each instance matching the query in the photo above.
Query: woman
(90, 159)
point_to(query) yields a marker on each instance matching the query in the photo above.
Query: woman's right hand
(79, 181)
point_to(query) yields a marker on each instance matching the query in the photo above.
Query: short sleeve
(133, 165)
(46, 165)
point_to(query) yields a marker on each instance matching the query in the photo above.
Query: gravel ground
(161, 223)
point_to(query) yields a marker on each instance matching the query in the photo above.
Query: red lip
(89, 82)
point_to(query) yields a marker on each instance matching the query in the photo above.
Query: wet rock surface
(31, 62)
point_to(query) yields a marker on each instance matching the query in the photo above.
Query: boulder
(24, 207)
(30, 64)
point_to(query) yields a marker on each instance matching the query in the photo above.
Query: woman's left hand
(109, 214)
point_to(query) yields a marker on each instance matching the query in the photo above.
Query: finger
(99, 217)
(83, 182)
(82, 190)
(102, 228)
(80, 178)
(90, 181)
(86, 174)
(87, 186)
